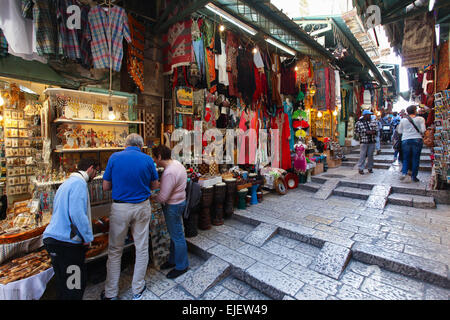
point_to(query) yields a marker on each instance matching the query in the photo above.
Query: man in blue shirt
(69, 232)
(130, 174)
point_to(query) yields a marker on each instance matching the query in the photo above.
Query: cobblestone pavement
(285, 267)
(327, 241)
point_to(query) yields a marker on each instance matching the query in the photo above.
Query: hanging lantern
(312, 90)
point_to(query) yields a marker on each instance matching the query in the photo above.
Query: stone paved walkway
(315, 244)
(283, 267)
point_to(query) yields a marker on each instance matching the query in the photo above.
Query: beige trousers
(124, 216)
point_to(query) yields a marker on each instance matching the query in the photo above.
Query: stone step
(378, 159)
(310, 186)
(385, 158)
(354, 193)
(378, 165)
(411, 200)
(409, 265)
(205, 277)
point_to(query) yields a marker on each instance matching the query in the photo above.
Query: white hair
(134, 140)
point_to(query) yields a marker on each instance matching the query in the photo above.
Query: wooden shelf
(91, 149)
(87, 150)
(100, 97)
(96, 121)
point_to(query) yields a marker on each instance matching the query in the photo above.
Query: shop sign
(184, 100)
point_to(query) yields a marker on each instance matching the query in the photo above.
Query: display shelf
(97, 121)
(91, 149)
(88, 150)
(87, 95)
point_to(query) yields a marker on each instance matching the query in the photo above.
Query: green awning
(18, 68)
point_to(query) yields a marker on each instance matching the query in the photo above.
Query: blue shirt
(70, 199)
(130, 173)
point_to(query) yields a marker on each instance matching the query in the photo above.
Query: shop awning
(18, 68)
(393, 13)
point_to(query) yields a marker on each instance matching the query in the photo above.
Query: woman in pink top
(172, 196)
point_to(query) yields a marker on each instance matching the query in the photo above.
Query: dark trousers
(69, 267)
(411, 156)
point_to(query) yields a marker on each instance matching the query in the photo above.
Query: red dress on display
(281, 122)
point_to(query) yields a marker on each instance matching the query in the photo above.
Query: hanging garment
(3, 45)
(135, 52)
(332, 90)
(71, 38)
(286, 162)
(275, 77)
(49, 41)
(199, 52)
(20, 33)
(337, 79)
(232, 52)
(443, 72)
(320, 82)
(246, 75)
(300, 164)
(221, 64)
(99, 25)
(287, 78)
(418, 40)
(247, 144)
(288, 109)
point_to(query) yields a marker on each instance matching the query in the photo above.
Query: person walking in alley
(172, 195)
(412, 129)
(69, 232)
(367, 130)
(130, 174)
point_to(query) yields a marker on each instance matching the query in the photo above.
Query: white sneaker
(402, 177)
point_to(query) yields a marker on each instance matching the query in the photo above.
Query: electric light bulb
(319, 114)
(334, 113)
(222, 28)
(111, 115)
(2, 102)
(1, 117)
(255, 50)
(296, 68)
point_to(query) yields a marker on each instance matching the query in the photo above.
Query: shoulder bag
(414, 125)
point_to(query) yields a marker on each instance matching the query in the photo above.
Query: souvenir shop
(46, 128)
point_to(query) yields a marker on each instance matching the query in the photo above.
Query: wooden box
(334, 163)
(318, 169)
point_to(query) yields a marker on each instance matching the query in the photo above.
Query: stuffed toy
(300, 159)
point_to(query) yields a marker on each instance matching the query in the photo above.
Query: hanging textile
(303, 70)
(221, 64)
(99, 25)
(232, 52)
(332, 89)
(288, 78)
(275, 80)
(209, 41)
(3, 45)
(184, 100)
(288, 109)
(135, 52)
(443, 76)
(337, 91)
(20, 33)
(320, 82)
(69, 37)
(418, 40)
(178, 49)
(48, 40)
(246, 75)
